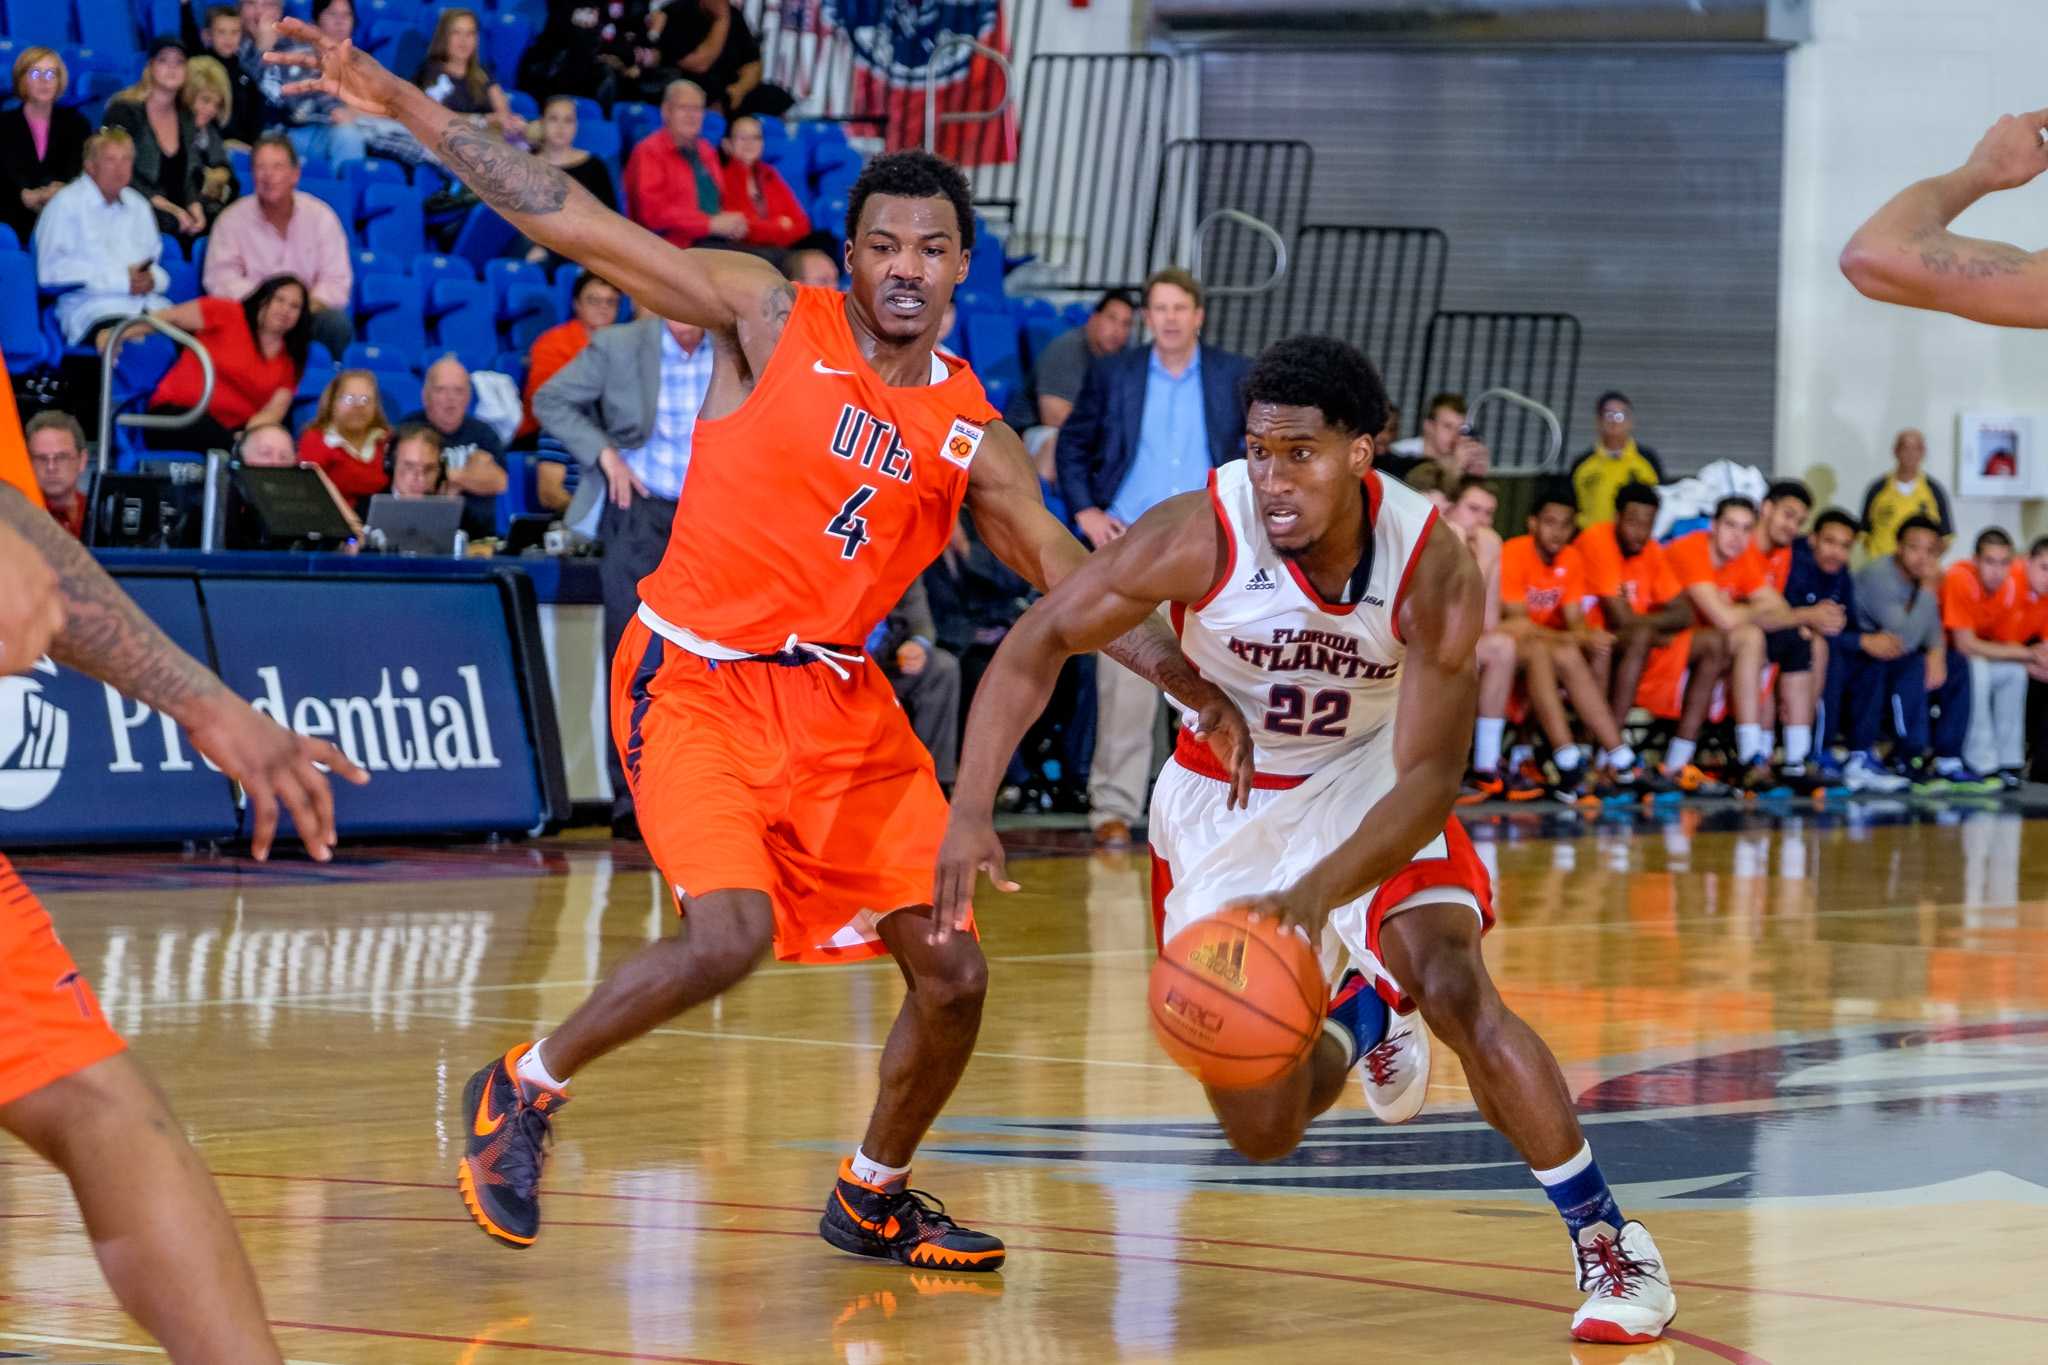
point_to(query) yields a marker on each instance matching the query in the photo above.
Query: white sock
(1750, 744)
(872, 1172)
(1519, 755)
(1486, 737)
(1798, 743)
(1619, 759)
(1948, 767)
(1569, 759)
(1557, 1175)
(1679, 754)
(534, 1071)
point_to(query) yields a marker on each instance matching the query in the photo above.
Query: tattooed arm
(1907, 254)
(726, 292)
(105, 635)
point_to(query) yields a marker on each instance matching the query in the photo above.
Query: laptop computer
(414, 526)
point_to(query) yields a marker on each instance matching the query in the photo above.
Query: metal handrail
(1256, 224)
(165, 422)
(1522, 400)
(933, 118)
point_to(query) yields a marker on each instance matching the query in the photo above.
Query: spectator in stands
(455, 77)
(472, 456)
(709, 42)
(1389, 435)
(1542, 607)
(1446, 438)
(99, 233)
(417, 467)
(1820, 573)
(1058, 372)
(1798, 648)
(593, 305)
(152, 112)
(1634, 591)
(1614, 461)
(1985, 607)
(269, 446)
(599, 50)
(558, 128)
(1905, 492)
(207, 95)
(320, 126)
(757, 191)
(347, 436)
(673, 177)
(811, 266)
(1472, 508)
(627, 409)
(1894, 605)
(260, 37)
(259, 351)
(56, 452)
(242, 123)
(926, 678)
(42, 145)
(280, 230)
(1148, 424)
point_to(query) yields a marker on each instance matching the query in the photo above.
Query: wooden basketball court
(1812, 1051)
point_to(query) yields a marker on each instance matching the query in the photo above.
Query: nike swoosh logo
(885, 1231)
(486, 1124)
(822, 368)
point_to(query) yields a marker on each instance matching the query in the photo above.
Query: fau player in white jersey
(1314, 591)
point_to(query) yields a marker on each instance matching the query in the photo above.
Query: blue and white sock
(1580, 1193)
(1359, 1021)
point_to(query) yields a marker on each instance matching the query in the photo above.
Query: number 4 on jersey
(850, 526)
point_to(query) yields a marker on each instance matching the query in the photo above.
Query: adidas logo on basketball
(1222, 958)
(1262, 581)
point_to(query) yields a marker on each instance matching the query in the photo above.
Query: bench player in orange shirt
(68, 1087)
(1985, 606)
(1635, 594)
(778, 784)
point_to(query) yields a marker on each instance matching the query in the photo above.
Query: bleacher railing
(1262, 181)
(1536, 355)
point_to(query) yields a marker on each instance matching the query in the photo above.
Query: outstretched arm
(727, 292)
(106, 635)
(1907, 254)
(1171, 555)
(1441, 620)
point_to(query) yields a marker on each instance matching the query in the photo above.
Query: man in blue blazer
(1149, 424)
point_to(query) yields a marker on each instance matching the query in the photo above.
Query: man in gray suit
(626, 408)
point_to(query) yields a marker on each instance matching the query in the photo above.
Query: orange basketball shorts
(50, 1022)
(787, 780)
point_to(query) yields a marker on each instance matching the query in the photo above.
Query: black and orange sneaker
(1479, 786)
(1523, 781)
(508, 1127)
(893, 1222)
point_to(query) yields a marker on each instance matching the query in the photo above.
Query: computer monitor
(413, 526)
(284, 509)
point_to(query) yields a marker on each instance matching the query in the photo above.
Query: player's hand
(1472, 457)
(1099, 526)
(1882, 645)
(1937, 671)
(911, 657)
(620, 478)
(969, 849)
(1291, 908)
(31, 609)
(274, 765)
(2011, 153)
(1220, 725)
(1827, 617)
(346, 72)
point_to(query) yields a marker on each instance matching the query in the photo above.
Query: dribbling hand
(969, 849)
(1291, 908)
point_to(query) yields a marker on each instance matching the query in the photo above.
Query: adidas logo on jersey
(1262, 581)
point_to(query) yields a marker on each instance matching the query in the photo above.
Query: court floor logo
(35, 738)
(1860, 1116)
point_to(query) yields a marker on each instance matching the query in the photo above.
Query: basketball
(1237, 1002)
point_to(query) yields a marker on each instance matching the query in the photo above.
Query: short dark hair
(2039, 547)
(1789, 488)
(1734, 500)
(1470, 482)
(913, 175)
(1437, 401)
(1991, 535)
(277, 140)
(1834, 516)
(1636, 493)
(1551, 492)
(1917, 523)
(585, 281)
(214, 12)
(1179, 279)
(1122, 296)
(54, 419)
(1332, 376)
(416, 431)
(1612, 396)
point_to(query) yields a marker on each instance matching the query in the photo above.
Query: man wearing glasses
(56, 451)
(1615, 462)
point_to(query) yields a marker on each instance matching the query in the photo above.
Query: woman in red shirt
(259, 351)
(347, 436)
(754, 188)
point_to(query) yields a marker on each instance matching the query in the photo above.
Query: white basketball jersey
(1314, 679)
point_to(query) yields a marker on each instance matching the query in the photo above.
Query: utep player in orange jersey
(1313, 590)
(68, 1087)
(777, 781)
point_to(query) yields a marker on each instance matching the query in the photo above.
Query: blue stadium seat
(390, 312)
(380, 263)
(523, 104)
(383, 358)
(138, 369)
(343, 196)
(110, 25)
(464, 320)
(399, 391)
(375, 170)
(8, 241)
(1040, 329)
(21, 333)
(313, 383)
(992, 340)
(393, 219)
(483, 237)
(600, 139)
(511, 363)
(635, 122)
(173, 250)
(238, 161)
(505, 40)
(184, 285)
(39, 21)
(434, 266)
(167, 16)
(528, 310)
(589, 110)
(502, 274)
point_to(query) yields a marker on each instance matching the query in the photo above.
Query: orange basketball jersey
(810, 509)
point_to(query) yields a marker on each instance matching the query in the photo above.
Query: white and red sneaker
(1396, 1071)
(1629, 1296)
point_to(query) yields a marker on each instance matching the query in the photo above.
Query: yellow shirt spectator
(1599, 474)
